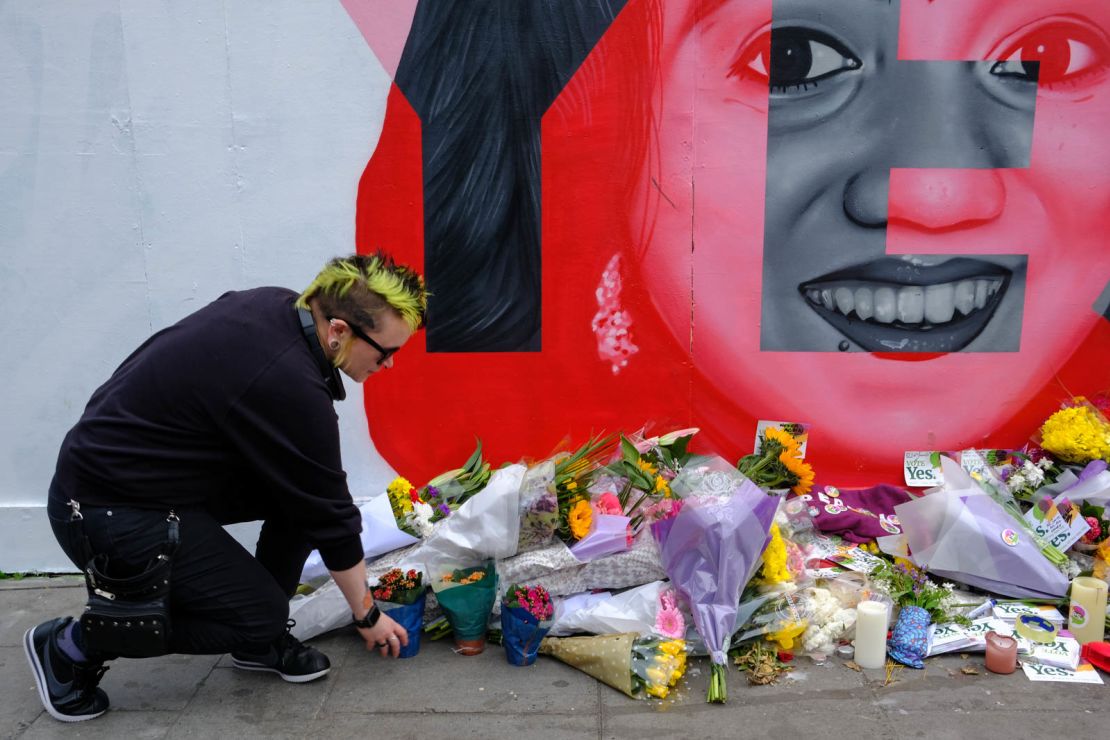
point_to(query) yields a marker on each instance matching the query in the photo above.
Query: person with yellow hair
(224, 417)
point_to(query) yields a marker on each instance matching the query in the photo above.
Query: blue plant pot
(411, 617)
(522, 634)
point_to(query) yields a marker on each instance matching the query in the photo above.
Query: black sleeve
(287, 432)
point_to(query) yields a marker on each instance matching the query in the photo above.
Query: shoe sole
(244, 666)
(40, 683)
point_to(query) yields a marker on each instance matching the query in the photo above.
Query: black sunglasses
(385, 353)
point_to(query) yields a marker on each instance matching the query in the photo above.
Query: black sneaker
(288, 657)
(68, 689)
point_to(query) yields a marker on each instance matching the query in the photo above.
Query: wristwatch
(370, 619)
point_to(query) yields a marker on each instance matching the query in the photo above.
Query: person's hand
(386, 636)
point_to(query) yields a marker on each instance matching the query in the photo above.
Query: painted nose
(925, 199)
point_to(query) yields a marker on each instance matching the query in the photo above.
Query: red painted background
(655, 153)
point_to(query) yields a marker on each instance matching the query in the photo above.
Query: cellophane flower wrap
(402, 595)
(712, 549)
(466, 596)
(574, 474)
(526, 617)
(641, 668)
(539, 507)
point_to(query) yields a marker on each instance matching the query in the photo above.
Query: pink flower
(667, 599)
(608, 503)
(670, 623)
(1095, 530)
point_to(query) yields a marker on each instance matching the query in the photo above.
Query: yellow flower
(800, 469)
(673, 647)
(579, 519)
(774, 559)
(1077, 434)
(647, 467)
(661, 486)
(399, 494)
(657, 675)
(785, 637)
(571, 485)
(774, 434)
(659, 692)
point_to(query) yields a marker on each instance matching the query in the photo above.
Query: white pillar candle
(871, 627)
(1087, 617)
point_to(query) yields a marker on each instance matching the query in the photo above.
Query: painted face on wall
(892, 238)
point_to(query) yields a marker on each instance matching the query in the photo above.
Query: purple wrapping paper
(710, 553)
(973, 540)
(609, 536)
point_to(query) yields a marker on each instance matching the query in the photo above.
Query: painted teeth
(908, 304)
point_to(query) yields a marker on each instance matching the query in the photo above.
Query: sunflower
(579, 518)
(784, 439)
(800, 469)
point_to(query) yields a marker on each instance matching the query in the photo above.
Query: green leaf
(934, 459)
(629, 451)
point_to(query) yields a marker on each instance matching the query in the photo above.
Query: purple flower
(433, 492)
(444, 509)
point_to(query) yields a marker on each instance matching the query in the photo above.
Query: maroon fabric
(856, 514)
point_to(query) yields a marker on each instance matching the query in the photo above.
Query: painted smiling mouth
(895, 305)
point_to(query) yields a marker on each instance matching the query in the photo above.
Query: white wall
(154, 154)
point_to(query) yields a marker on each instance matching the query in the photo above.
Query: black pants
(221, 598)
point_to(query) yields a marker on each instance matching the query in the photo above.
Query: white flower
(422, 518)
(1016, 481)
(1044, 463)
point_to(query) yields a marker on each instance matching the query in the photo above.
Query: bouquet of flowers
(778, 463)
(447, 491)
(640, 668)
(1025, 473)
(712, 549)
(466, 596)
(1077, 433)
(610, 530)
(413, 515)
(922, 602)
(401, 595)
(539, 507)
(526, 613)
(416, 510)
(574, 473)
(647, 468)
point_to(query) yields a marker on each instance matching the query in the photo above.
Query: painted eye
(792, 58)
(1056, 52)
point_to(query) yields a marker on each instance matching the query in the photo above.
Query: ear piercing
(334, 344)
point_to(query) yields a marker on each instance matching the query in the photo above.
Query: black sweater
(227, 394)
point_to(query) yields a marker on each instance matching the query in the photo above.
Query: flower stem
(718, 690)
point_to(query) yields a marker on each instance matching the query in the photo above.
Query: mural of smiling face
(918, 206)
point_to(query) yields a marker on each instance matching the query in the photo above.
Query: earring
(334, 344)
(612, 324)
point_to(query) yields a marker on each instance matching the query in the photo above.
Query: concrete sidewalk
(439, 694)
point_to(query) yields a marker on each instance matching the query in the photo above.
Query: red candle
(1001, 653)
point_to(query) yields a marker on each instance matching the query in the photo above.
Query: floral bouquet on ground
(448, 491)
(539, 507)
(778, 463)
(922, 602)
(401, 595)
(574, 473)
(526, 613)
(712, 549)
(610, 531)
(1077, 433)
(645, 470)
(466, 596)
(417, 510)
(640, 668)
